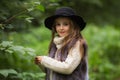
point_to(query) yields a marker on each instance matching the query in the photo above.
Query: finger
(37, 57)
(37, 61)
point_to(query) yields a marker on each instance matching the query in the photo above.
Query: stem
(11, 18)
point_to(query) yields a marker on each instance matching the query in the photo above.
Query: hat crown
(65, 11)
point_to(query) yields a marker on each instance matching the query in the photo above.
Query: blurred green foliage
(22, 36)
(103, 53)
(21, 15)
(17, 63)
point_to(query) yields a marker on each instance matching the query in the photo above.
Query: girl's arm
(69, 65)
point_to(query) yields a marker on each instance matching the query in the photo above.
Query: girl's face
(62, 26)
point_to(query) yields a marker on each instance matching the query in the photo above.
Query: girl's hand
(38, 59)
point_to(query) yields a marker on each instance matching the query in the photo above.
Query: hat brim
(79, 20)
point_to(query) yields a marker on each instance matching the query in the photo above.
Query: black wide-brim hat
(65, 12)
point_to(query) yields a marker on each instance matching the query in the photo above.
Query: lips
(62, 32)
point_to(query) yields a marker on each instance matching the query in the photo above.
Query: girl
(67, 58)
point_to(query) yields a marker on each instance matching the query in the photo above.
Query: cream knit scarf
(58, 41)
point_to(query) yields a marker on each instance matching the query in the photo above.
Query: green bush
(17, 63)
(11, 74)
(103, 53)
(15, 56)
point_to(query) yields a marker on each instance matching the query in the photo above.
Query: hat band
(64, 13)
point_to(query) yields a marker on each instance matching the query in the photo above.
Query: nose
(61, 26)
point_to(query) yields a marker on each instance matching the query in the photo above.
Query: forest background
(23, 36)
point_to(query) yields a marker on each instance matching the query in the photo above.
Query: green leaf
(53, 0)
(30, 51)
(6, 44)
(30, 9)
(5, 72)
(18, 49)
(1, 26)
(9, 51)
(40, 7)
(36, 3)
(29, 19)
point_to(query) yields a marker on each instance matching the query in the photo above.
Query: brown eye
(65, 24)
(57, 25)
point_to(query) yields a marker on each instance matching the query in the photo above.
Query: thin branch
(11, 18)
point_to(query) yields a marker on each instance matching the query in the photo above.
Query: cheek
(56, 29)
(67, 29)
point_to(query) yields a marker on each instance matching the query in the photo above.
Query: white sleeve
(69, 65)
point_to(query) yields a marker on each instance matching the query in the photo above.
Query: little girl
(67, 59)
